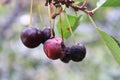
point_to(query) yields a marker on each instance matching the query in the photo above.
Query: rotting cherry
(30, 37)
(78, 52)
(53, 48)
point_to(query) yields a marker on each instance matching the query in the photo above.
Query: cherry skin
(53, 48)
(46, 34)
(78, 52)
(66, 55)
(30, 37)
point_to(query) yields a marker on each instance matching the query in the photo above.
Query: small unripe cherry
(53, 48)
(30, 37)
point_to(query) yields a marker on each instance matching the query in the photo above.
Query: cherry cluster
(53, 47)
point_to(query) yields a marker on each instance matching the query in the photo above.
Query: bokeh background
(20, 63)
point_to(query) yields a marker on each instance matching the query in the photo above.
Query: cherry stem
(40, 17)
(61, 29)
(31, 5)
(49, 13)
(73, 37)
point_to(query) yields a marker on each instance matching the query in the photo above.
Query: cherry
(46, 34)
(66, 55)
(53, 48)
(30, 37)
(77, 52)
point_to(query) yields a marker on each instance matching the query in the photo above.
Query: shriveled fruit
(30, 37)
(53, 48)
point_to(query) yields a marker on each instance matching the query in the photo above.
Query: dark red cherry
(53, 48)
(78, 52)
(30, 37)
(46, 34)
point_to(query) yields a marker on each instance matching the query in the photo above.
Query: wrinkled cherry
(53, 48)
(77, 52)
(30, 37)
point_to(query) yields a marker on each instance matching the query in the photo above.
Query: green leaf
(116, 41)
(111, 3)
(74, 22)
(111, 44)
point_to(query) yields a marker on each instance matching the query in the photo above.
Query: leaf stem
(91, 19)
(31, 5)
(73, 37)
(93, 11)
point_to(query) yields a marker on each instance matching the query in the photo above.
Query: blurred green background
(20, 63)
